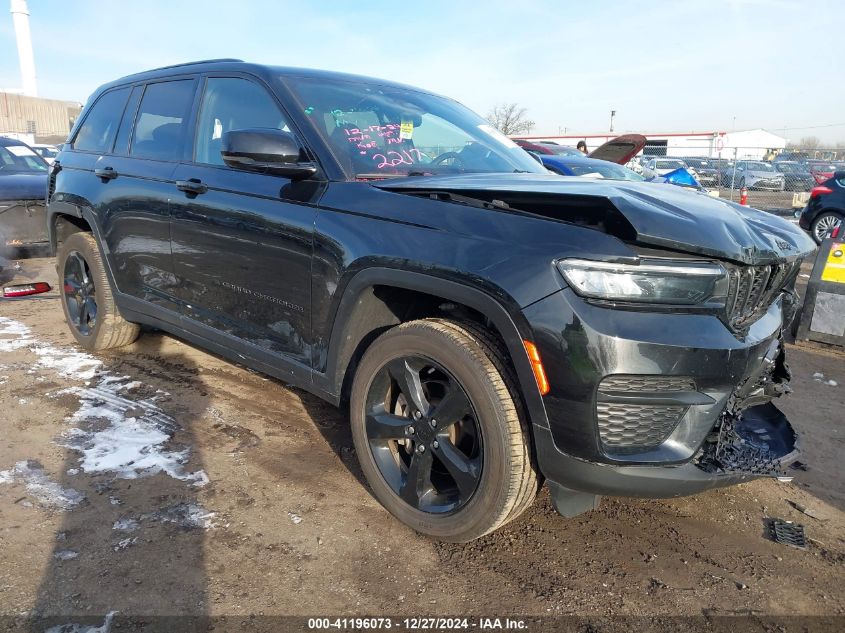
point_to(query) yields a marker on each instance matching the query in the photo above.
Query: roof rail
(200, 61)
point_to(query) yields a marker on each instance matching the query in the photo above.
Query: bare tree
(509, 118)
(806, 142)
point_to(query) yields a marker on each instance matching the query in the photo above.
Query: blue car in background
(584, 166)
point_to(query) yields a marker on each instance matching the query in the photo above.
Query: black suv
(487, 323)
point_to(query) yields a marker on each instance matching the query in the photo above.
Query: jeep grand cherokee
(487, 324)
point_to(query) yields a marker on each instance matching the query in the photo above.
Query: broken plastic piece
(789, 533)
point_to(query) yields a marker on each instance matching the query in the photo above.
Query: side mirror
(265, 151)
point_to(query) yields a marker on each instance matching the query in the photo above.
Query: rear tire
(437, 359)
(87, 301)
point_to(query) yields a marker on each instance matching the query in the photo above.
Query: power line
(812, 127)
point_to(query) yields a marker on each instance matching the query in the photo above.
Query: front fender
(501, 311)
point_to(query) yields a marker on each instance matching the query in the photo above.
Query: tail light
(815, 192)
(24, 290)
(821, 177)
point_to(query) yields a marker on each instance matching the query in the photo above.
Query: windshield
(20, 158)
(46, 152)
(602, 169)
(670, 164)
(759, 167)
(562, 150)
(384, 131)
(790, 168)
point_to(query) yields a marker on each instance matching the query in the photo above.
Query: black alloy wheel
(424, 436)
(80, 294)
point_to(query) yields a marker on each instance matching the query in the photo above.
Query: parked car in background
(23, 189)
(753, 174)
(797, 176)
(706, 169)
(821, 170)
(560, 150)
(826, 208)
(590, 167)
(662, 166)
(528, 146)
(47, 152)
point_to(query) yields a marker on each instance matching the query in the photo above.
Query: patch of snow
(818, 376)
(65, 554)
(295, 518)
(72, 471)
(23, 401)
(83, 628)
(125, 525)
(133, 444)
(14, 335)
(123, 544)
(38, 484)
(191, 516)
(832, 383)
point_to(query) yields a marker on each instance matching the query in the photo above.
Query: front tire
(87, 301)
(439, 431)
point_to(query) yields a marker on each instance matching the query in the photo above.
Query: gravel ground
(257, 507)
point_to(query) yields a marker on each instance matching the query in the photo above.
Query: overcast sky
(699, 65)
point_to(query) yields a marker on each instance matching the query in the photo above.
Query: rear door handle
(192, 185)
(106, 173)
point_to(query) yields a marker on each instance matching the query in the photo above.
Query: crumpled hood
(23, 186)
(669, 217)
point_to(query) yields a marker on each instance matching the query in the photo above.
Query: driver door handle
(106, 173)
(192, 185)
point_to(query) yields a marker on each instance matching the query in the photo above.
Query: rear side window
(97, 132)
(161, 124)
(230, 103)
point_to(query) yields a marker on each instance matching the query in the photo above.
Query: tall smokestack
(20, 16)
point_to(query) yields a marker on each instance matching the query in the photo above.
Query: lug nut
(410, 430)
(434, 424)
(421, 448)
(417, 415)
(435, 444)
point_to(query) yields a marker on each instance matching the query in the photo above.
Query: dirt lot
(258, 508)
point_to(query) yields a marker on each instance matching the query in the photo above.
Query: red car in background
(821, 170)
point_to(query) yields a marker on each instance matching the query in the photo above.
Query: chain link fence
(779, 181)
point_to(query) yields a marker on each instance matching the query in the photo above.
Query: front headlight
(674, 282)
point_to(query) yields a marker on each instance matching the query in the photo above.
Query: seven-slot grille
(753, 288)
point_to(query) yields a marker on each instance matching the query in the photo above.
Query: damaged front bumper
(664, 406)
(753, 436)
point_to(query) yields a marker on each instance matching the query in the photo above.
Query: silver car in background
(753, 174)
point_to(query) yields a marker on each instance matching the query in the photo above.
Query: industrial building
(37, 120)
(23, 114)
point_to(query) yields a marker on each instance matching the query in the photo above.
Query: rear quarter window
(97, 132)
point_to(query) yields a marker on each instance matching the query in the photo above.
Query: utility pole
(612, 114)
